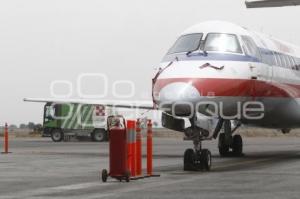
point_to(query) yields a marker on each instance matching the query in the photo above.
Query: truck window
(50, 111)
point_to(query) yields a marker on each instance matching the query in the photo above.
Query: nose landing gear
(197, 159)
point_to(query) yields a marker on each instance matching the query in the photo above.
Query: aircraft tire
(237, 145)
(205, 159)
(223, 147)
(189, 160)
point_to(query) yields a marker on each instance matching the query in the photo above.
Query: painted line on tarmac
(54, 190)
(243, 163)
(77, 186)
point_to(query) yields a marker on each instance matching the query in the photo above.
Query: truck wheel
(57, 135)
(99, 135)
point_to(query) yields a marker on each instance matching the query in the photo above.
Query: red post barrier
(138, 149)
(131, 146)
(6, 139)
(133, 160)
(149, 148)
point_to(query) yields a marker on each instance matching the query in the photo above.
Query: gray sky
(46, 40)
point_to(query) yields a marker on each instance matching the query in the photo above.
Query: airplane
(217, 77)
(271, 3)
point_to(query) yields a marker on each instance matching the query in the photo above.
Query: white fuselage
(247, 67)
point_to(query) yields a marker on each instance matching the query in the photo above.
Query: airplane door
(271, 62)
(263, 70)
(261, 66)
(254, 71)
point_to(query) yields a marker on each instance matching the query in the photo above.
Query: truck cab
(77, 120)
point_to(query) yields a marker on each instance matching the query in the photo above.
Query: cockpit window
(250, 48)
(222, 43)
(186, 43)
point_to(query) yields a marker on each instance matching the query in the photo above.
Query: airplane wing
(271, 3)
(148, 105)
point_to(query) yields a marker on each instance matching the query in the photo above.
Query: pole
(131, 146)
(149, 148)
(138, 149)
(6, 138)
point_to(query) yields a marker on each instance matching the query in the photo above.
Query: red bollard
(138, 149)
(131, 146)
(133, 160)
(149, 148)
(6, 139)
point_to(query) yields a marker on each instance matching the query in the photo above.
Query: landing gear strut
(197, 159)
(227, 141)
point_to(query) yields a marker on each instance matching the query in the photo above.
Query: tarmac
(39, 168)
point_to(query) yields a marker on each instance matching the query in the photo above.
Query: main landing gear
(227, 141)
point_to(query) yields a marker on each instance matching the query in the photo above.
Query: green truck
(78, 120)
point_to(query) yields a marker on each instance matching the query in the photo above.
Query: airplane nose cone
(177, 97)
(179, 92)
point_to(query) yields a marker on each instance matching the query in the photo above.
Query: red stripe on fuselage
(235, 87)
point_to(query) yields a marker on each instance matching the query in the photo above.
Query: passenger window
(277, 58)
(297, 64)
(222, 43)
(288, 61)
(283, 62)
(272, 58)
(292, 66)
(267, 57)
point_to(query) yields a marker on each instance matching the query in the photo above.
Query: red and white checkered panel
(100, 110)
